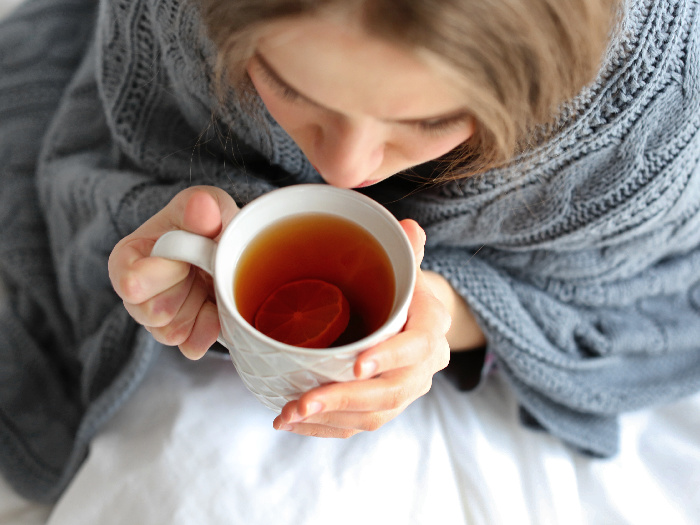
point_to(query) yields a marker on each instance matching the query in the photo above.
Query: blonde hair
(521, 60)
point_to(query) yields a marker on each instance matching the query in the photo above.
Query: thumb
(202, 214)
(416, 237)
(204, 210)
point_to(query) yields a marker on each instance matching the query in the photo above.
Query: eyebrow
(270, 71)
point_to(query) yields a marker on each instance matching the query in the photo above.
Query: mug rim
(225, 295)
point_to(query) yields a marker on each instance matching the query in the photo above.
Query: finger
(204, 332)
(203, 210)
(202, 214)
(416, 236)
(327, 424)
(180, 327)
(427, 312)
(200, 209)
(289, 413)
(393, 390)
(423, 339)
(320, 431)
(160, 310)
(427, 315)
(290, 421)
(137, 277)
(404, 349)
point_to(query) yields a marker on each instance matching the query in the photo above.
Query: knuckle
(129, 288)
(374, 422)
(426, 342)
(161, 311)
(342, 403)
(445, 317)
(435, 345)
(169, 336)
(444, 355)
(446, 325)
(427, 386)
(179, 334)
(158, 336)
(397, 397)
(157, 317)
(438, 348)
(445, 361)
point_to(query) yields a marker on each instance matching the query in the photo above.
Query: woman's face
(360, 109)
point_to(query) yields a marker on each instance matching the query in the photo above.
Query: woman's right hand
(173, 300)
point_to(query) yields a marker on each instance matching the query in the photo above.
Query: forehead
(334, 62)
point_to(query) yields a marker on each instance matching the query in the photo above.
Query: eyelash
(440, 127)
(285, 91)
(435, 128)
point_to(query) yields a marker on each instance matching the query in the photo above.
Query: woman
(555, 188)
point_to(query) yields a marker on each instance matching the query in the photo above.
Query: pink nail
(313, 408)
(368, 368)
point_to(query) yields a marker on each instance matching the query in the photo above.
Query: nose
(347, 152)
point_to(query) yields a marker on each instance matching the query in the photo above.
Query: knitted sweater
(581, 260)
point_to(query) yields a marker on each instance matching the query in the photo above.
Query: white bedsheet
(194, 447)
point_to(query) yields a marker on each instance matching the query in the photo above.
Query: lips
(362, 185)
(368, 183)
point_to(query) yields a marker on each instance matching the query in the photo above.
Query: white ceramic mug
(273, 371)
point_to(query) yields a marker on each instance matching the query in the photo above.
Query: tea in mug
(326, 277)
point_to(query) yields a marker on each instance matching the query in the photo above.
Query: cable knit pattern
(581, 259)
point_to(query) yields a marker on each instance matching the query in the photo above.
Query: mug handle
(180, 245)
(188, 247)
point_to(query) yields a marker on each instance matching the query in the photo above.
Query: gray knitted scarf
(581, 260)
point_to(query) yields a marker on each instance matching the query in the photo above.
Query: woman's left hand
(390, 376)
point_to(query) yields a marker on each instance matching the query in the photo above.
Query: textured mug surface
(274, 372)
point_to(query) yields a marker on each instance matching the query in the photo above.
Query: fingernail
(278, 425)
(295, 418)
(368, 368)
(313, 408)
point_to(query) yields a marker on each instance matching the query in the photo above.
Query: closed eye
(286, 91)
(441, 126)
(433, 126)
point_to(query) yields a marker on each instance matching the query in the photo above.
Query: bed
(193, 446)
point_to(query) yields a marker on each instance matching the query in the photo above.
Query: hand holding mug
(390, 375)
(176, 302)
(275, 370)
(172, 299)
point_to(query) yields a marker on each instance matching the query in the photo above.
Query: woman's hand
(390, 376)
(173, 299)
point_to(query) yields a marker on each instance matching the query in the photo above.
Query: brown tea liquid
(325, 247)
